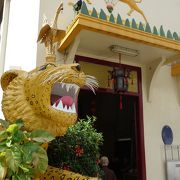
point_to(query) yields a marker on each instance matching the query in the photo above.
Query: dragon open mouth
(64, 97)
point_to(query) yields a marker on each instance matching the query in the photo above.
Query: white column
(21, 46)
(3, 41)
(22, 28)
(3, 34)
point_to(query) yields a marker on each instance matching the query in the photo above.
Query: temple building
(133, 49)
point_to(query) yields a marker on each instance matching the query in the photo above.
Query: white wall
(157, 12)
(163, 110)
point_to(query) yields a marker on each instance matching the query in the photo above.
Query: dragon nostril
(78, 67)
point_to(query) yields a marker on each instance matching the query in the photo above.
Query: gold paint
(50, 35)
(36, 110)
(133, 7)
(83, 22)
(175, 69)
(58, 173)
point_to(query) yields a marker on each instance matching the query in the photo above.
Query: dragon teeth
(73, 107)
(62, 85)
(65, 108)
(76, 88)
(60, 107)
(68, 87)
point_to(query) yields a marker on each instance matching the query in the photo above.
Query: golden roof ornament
(50, 35)
(134, 7)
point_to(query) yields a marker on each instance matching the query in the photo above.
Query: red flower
(98, 161)
(66, 167)
(79, 151)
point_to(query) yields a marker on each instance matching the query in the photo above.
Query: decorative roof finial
(50, 35)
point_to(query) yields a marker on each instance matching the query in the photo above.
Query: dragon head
(46, 97)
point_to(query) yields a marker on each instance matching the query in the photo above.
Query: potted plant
(21, 153)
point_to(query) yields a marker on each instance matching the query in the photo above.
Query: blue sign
(167, 135)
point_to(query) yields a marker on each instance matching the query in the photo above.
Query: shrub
(78, 150)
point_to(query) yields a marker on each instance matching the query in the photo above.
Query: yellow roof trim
(175, 70)
(97, 25)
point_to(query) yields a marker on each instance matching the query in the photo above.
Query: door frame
(141, 163)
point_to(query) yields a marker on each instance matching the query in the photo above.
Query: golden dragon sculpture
(46, 97)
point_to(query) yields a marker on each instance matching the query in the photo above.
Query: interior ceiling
(97, 45)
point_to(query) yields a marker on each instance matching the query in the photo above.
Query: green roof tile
(155, 31)
(175, 36)
(141, 27)
(162, 31)
(134, 25)
(84, 9)
(111, 19)
(169, 34)
(94, 13)
(127, 23)
(119, 20)
(148, 28)
(102, 15)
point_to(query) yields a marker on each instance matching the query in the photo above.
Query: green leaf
(4, 123)
(19, 122)
(13, 158)
(40, 160)
(21, 176)
(12, 128)
(8, 142)
(3, 170)
(2, 154)
(3, 146)
(28, 150)
(41, 136)
(9, 174)
(18, 136)
(26, 170)
(3, 135)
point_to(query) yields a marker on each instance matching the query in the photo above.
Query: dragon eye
(42, 67)
(78, 67)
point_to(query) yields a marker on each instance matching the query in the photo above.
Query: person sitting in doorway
(108, 173)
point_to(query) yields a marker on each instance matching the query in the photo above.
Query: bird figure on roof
(77, 6)
(50, 35)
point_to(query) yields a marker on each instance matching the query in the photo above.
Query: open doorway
(116, 119)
